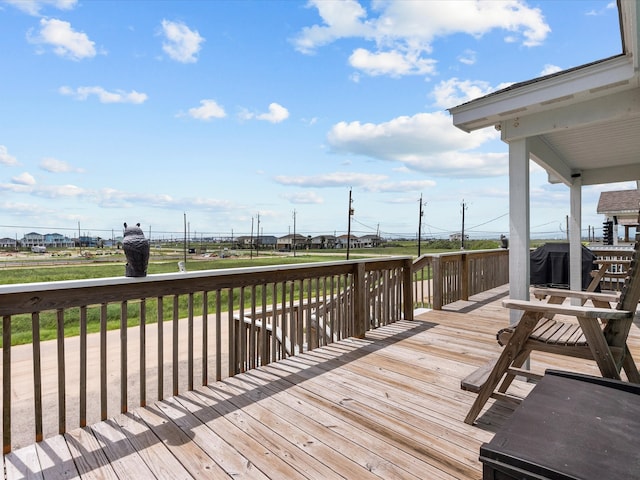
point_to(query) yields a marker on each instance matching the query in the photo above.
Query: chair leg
(629, 367)
(517, 363)
(510, 352)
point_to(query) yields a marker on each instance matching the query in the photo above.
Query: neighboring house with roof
(288, 242)
(620, 207)
(8, 243)
(57, 240)
(323, 241)
(32, 239)
(370, 241)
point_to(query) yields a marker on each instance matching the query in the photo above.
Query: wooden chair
(600, 334)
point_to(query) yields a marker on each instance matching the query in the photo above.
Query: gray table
(569, 427)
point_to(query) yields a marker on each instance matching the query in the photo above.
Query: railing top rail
(29, 297)
(425, 259)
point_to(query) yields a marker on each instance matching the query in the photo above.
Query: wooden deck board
(385, 406)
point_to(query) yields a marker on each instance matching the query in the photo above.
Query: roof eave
(600, 78)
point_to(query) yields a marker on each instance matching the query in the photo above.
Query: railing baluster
(293, 332)
(62, 391)
(190, 342)
(143, 352)
(83, 366)
(103, 361)
(274, 323)
(160, 326)
(233, 354)
(123, 357)
(252, 332)
(218, 334)
(176, 344)
(283, 321)
(37, 374)
(205, 338)
(6, 384)
(307, 316)
(264, 337)
(241, 339)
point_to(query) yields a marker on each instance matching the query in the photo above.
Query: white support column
(575, 240)
(519, 218)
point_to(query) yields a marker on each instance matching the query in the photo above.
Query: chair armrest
(588, 312)
(559, 292)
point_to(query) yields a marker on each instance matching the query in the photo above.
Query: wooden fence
(177, 330)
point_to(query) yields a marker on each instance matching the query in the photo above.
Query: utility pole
(464, 207)
(258, 237)
(351, 211)
(184, 246)
(293, 240)
(251, 240)
(420, 213)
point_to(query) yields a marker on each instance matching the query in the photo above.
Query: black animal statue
(136, 249)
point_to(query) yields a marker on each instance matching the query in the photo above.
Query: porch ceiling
(583, 122)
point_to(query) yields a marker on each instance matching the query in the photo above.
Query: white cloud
(304, 198)
(468, 57)
(403, 32)
(24, 179)
(400, 186)
(181, 43)
(341, 19)
(45, 191)
(425, 142)
(54, 165)
(549, 69)
(393, 63)
(65, 41)
(276, 114)
(207, 110)
(337, 179)
(404, 137)
(453, 92)
(6, 158)
(104, 96)
(33, 7)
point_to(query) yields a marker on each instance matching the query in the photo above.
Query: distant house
(57, 240)
(32, 239)
(322, 242)
(244, 241)
(370, 241)
(266, 241)
(354, 242)
(621, 208)
(291, 241)
(8, 243)
(455, 237)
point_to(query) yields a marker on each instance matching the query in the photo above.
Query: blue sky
(144, 111)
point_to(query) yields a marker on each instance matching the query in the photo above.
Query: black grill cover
(550, 265)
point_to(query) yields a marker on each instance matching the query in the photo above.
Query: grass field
(36, 268)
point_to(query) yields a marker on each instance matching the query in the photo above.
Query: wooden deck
(385, 407)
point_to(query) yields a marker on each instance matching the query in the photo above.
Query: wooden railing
(612, 265)
(440, 279)
(175, 331)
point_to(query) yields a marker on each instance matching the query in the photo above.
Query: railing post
(437, 282)
(359, 301)
(464, 276)
(407, 290)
